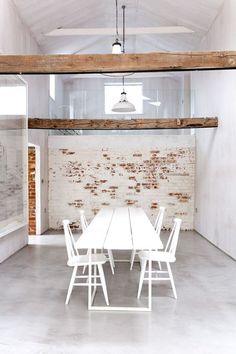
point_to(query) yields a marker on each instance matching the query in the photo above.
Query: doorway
(34, 204)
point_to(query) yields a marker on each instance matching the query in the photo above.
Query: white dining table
(122, 228)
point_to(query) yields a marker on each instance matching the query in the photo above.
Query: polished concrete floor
(34, 319)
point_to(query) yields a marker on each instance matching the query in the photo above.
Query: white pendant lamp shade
(123, 105)
(116, 47)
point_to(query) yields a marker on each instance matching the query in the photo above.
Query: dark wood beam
(106, 124)
(108, 63)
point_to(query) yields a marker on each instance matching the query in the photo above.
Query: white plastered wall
(15, 38)
(215, 95)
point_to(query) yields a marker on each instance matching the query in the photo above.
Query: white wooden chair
(83, 220)
(84, 225)
(157, 226)
(167, 256)
(75, 260)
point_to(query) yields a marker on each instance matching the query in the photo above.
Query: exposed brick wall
(31, 190)
(91, 172)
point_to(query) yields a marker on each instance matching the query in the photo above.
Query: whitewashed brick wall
(91, 172)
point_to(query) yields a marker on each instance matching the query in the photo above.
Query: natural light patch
(145, 98)
(157, 103)
(13, 100)
(134, 95)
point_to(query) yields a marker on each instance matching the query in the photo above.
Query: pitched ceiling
(43, 16)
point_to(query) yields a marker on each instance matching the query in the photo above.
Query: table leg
(94, 268)
(95, 274)
(90, 279)
(150, 282)
(118, 308)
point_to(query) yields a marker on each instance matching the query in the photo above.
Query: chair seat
(84, 260)
(159, 256)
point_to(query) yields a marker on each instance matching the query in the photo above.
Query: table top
(120, 228)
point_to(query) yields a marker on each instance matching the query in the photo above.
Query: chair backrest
(173, 238)
(70, 242)
(83, 221)
(159, 220)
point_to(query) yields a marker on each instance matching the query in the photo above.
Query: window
(16, 94)
(134, 95)
(13, 153)
(52, 86)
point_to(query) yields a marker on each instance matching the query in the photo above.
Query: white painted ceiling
(43, 16)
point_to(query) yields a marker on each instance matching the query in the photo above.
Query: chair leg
(132, 259)
(143, 268)
(103, 282)
(110, 254)
(159, 265)
(171, 280)
(95, 276)
(111, 260)
(84, 267)
(72, 280)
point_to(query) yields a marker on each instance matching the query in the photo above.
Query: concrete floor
(34, 319)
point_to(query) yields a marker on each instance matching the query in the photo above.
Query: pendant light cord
(123, 8)
(123, 50)
(117, 34)
(123, 83)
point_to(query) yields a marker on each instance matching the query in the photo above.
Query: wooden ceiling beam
(109, 63)
(123, 124)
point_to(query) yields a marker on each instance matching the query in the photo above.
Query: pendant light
(123, 105)
(116, 46)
